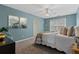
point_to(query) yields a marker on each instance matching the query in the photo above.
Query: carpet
(38, 49)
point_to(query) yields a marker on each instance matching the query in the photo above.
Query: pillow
(63, 31)
(70, 31)
(77, 31)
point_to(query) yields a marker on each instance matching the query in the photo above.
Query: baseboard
(24, 39)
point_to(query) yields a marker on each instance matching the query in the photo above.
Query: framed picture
(17, 22)
(23, 22)
(13, 21)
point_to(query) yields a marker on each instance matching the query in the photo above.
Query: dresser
(8, 47)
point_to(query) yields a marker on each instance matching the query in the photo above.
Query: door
(36, 26)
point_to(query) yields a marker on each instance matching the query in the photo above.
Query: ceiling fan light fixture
(47, 14)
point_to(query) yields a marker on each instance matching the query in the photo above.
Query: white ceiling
(39, 9)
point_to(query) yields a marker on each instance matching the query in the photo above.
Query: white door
(36, 26)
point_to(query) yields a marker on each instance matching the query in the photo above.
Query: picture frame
(23, 22)
(13, 21)
(17, 22)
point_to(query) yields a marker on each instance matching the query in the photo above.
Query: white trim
(23, 39)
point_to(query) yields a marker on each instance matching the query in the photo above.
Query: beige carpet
(39, 49)
(28, 47)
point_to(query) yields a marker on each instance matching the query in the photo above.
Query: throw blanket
(38, 39)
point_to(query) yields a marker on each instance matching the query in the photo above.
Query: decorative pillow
(61, 30)
(70, 31)
(65, 31)
(77, 31)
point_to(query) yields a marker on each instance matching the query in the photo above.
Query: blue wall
(77, 17)
(46, 25)
(18, 34)
(71, 20)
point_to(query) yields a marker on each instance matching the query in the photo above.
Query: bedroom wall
(46, 25)
(18, 34)
(77, 17)
(70, 20)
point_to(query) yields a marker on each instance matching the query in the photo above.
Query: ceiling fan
(46, 11)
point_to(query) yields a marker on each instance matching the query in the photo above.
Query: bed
(55, 40)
